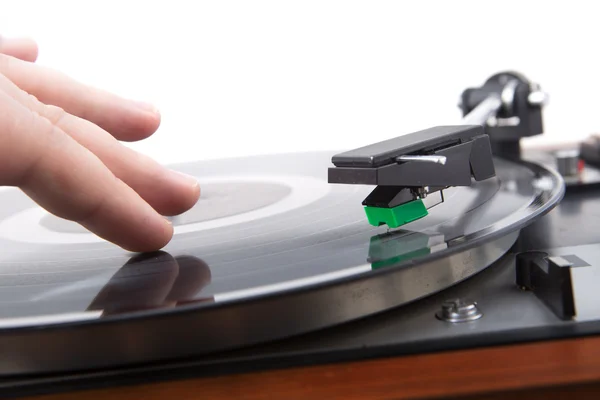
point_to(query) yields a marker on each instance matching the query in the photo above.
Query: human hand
(59, 143)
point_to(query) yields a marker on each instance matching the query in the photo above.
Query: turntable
(447, 239)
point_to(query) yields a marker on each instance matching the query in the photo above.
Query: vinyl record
(269, 251)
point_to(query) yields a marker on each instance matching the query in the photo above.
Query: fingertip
(33, 50)
(183, 195)
(150, 117)
(141, 124)
(152, 240)
(198, 192)
(195, 192)
(163, 235)
(25, 49)
(150, 124)
(188, 202)
(30, 49)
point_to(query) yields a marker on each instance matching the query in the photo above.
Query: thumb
(23, 48)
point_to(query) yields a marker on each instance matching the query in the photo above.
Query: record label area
(225, 201)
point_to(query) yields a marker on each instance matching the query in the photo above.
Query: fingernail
(146, 107)
(168, 227)
(185, 179)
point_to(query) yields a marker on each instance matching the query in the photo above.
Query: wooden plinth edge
(550, 369)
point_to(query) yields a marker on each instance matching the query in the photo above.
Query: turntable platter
(269, 251)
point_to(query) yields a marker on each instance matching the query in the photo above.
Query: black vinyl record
(269, 251)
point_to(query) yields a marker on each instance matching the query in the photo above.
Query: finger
(124, 119)
(168, 192)
(69, 181)
(22, 48)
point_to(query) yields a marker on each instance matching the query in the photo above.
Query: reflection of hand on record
(153, 281)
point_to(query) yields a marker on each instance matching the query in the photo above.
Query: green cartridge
(396, 216)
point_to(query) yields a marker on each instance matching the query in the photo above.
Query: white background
(252, 77)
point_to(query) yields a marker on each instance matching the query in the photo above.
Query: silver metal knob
(459, 310)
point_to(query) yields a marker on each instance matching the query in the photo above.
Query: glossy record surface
(269, 251)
